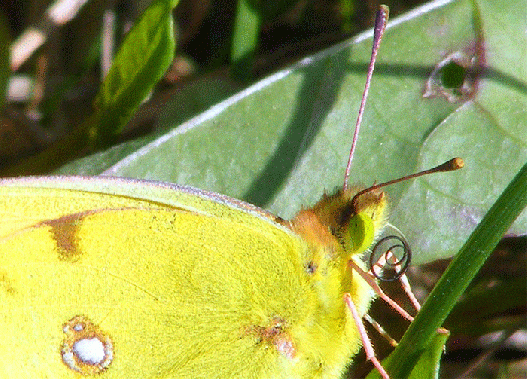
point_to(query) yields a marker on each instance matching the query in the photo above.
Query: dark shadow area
(317, 95)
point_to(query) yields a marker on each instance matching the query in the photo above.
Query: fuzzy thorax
(343, 219)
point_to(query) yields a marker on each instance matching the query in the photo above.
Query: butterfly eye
(390, 258)
(360, 232)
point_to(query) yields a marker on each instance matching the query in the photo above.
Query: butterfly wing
(44, 198)
(161, 281)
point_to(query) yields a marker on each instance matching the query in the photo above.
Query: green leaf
(285, 140)
(245, 39)
(140, 63)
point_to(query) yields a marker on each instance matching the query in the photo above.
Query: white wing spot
(89, 350)
(86, 349)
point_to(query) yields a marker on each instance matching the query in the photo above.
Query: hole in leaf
(453, 75)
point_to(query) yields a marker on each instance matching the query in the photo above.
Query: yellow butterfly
(119, 278)
(170, 282)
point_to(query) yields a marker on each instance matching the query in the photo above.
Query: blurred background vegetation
(53, 89)
(221, 47)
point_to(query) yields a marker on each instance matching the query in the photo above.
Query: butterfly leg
(380, 329)
(403, 279)
(405, 284)
(366, 343)
(373, 284)
(389, 259)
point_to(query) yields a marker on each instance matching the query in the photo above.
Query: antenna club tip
(451, 165)
(384, 9)
(456, 163)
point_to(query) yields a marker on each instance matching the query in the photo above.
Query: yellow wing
(134, 279)
(27, 201)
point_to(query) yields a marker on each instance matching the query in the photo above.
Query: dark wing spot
(64, 232)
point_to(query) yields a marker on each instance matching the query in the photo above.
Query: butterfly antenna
(381, 19)
(451, 165)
